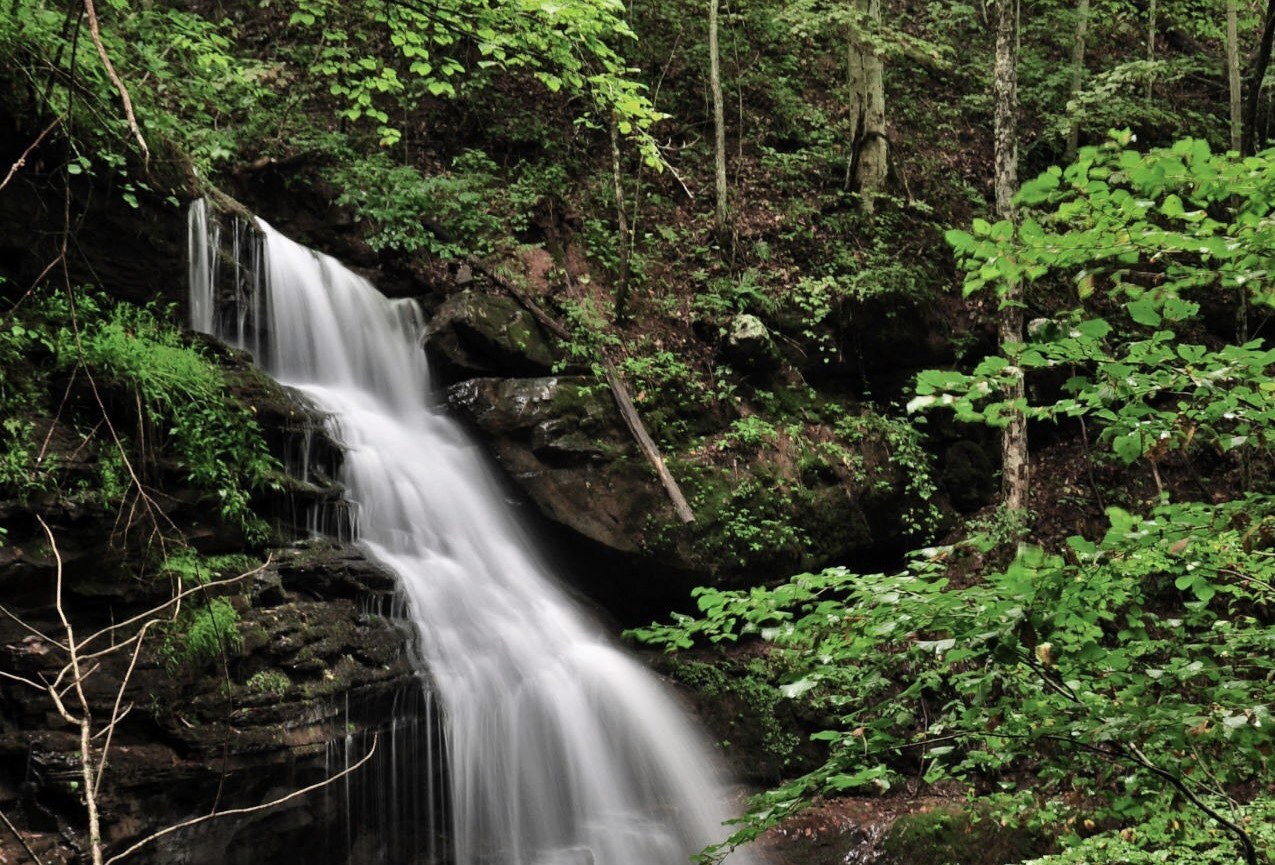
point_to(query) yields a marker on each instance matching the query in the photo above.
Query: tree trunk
(867, 153)
(719, 122)
(1260, 63)
(1233, 73)
(1077, 77)
(622, 226)
(1014, 440)
(1151, 23)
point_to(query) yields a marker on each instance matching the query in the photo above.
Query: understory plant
(1117, 681)
(148, 381)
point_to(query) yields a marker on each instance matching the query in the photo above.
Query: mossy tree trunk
(867, 157)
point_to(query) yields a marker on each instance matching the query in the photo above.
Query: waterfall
(560, 749)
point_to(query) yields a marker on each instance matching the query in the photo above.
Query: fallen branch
(619, 390)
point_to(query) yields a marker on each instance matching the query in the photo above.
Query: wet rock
(314, 677)
(563, 442)
(478, 333)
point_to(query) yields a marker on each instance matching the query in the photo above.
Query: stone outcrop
(473, 332)
(562, 440)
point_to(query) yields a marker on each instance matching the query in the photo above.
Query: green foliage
(1167, 837)
(182, 393)
(204, 632)
(274, 683)
(199, 91)
(1130, 658)
(1148, 234)
(174, 389)
(472, 208)
(565, 44)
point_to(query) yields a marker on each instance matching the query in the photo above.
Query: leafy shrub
(1127, 671)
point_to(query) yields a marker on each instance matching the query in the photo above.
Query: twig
(85, 720)
(115, 79)
(153, 611)
(249, 810)
(21, 840)
(116, 717)
(16, 678)
(1250, 852)
(22, 160)
(43, 636)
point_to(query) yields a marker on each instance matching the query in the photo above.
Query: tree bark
(867, 153)
(1233, 73)
(622, 226)
(1151, 24)
(1014, 462)
(1077, 77)
(719, 121)
(1260, 63)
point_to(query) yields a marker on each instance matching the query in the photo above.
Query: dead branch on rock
(619, 390)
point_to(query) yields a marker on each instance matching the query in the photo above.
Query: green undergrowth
(206, 626)
(1104, 685)
(100, 396)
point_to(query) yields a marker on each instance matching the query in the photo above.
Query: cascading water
(560, 750)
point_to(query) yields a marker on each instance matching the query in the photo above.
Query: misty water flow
(560, 749)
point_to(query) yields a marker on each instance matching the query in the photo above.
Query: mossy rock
(485, 334)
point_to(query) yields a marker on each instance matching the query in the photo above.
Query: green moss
(955, 837)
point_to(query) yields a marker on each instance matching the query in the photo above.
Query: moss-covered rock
(473, 332)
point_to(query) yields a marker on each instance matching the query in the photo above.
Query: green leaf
(1143, 311)
(1095, 328)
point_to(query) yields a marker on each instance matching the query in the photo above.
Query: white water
(561, 750)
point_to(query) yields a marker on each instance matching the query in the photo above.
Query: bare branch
(21, 840)
(154, 611)
(116, 716)
(22, 160)
(249, 810)
(23, 680)
(115, 79)
(5, 610)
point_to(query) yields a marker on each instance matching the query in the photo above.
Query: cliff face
(283, 670)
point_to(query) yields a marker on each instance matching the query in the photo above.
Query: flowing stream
(560, 749)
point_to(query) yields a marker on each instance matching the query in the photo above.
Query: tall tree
(867, 157)
(1005, 134)
(1077, 75)
(719, 122)
(1233, 72)
(1250, 143)
(1151, 23)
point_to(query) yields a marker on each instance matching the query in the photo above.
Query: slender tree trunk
(622, 224)
(1151, 24)
(1077, 77)
(719, 122)
(1233, 73)
(1014, 440)
(1260, 63)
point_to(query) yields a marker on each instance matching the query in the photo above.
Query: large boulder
(472, 332)
(562, 440)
